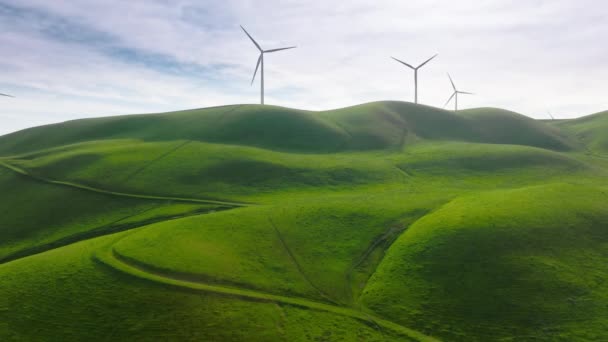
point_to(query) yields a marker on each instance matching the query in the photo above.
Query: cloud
(67, 59)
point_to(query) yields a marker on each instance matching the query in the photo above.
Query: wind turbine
(6, 95)
(455, 95)
(415, 74)
(261, 61)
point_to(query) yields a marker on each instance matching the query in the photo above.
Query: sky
(65, 60)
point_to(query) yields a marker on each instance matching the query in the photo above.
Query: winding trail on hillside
(106, 255)
(25, 173)
(106, 229)
(111, 227)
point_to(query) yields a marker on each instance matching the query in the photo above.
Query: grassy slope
(364, 127)
(589, 130)
(325, 225)
(524, 263)
(66, 214)
(225, 172)
(303, 248)
(92, 301)
(504, 127)
(241, 242)
(203, 170)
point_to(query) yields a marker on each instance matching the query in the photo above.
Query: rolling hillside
(589, 130)
(378, 125)
(386, 221)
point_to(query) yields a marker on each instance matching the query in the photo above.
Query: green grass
(498, 126)
(386, 221)
(376, 125)
(525, 263)
(92, 301)
(241, 242)
(203, 170)
(589, 130)
(301, 248)
(64, 215)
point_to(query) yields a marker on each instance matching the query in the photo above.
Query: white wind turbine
(261, 62)
(455, 95)
(415, 74)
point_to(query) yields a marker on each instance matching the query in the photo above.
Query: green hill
(377, 125)
(529, 260)
(386, 221)
(63, 214)
(589, 130)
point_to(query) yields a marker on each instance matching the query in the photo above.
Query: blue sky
(72, 59)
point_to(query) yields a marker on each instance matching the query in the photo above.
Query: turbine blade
(428, 60)
(402, 62)
(464, 92)
(256, 68)
(450, 99)
(286, 48)
(6, 95)
(253, 40)
(453, 86)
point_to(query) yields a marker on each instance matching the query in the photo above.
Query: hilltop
(371, 126)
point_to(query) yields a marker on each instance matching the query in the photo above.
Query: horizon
(81, 60)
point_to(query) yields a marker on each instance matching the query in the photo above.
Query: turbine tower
(455, 95)
(261, 62)
(415, 74)
(6, 95)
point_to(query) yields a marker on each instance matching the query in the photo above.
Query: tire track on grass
(106, 257)
(106, 229)
(384, 238)
(25, 173)
(387, 237)
(297, 264)
(161, 156)
(397, 236)
(301, 271)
